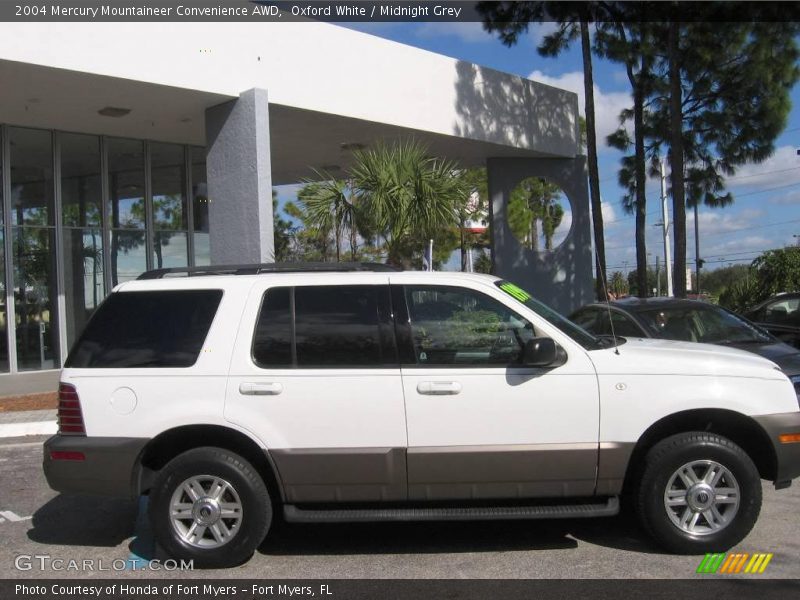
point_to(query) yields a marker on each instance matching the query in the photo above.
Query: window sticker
(514, 291)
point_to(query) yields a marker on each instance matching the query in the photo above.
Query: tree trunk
(461, 224)
(676, 161)
(594, 177)
(641, 180)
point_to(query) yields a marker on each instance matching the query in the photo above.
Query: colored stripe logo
(736, 562)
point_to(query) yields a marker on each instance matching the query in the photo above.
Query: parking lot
(35, 521)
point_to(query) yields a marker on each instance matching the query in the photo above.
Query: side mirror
(542, 352)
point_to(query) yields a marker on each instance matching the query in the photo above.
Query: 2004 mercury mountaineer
(370, 394)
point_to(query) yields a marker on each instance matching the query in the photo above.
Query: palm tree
(330, 206)
(407, 193)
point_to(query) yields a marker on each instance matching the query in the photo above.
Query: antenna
(608, 303)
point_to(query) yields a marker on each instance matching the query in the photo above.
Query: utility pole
(697, 260)
(658, 276)
(665, 223)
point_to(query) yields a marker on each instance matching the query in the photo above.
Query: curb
(9, 430)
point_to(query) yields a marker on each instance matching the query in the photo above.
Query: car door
(480, 425)
(315, 376)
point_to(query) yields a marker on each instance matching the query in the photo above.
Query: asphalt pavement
(112, 538)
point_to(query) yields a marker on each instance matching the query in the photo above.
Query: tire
(223, 509)
(698, 493)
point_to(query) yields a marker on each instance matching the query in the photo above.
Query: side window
(455, 326)
(158, 329)
(272, 344)
(624, 325)
(324, 326)
(783, 312)
(587, 318)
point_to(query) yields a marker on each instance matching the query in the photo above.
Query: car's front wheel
(210, 505)
(699, 492)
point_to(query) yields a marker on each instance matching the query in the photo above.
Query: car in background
(780, 315)
(687, 321)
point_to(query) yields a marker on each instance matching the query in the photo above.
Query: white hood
(665, 357)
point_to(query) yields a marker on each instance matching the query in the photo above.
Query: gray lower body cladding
(324, 475)
(787, 455)
(109, 466)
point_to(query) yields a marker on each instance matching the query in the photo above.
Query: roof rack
(254, 269)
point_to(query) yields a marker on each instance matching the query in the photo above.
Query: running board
(293, 514)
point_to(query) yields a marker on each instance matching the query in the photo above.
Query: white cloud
(782, 168)
(470, 32)
(607, 106)
(608, 212)
(715, 222)
(785, 197)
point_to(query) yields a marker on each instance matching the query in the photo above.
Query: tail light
(70, 417)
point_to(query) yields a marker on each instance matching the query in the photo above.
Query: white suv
(369, 394)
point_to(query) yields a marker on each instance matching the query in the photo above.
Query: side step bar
(293, 514)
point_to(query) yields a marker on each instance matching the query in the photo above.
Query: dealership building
(126, 147)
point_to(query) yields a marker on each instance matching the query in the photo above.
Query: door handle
(439, 388)
(260, 389)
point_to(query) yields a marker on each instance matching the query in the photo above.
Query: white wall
(314, 66)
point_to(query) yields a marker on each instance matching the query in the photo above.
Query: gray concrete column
(561, 278)
(240, 180)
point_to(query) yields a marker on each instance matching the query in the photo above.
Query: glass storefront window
(3, 318)
(202, 250)
(81, 194)
(93, 234)
(127, 209)
(31, 176)
(33, 256)
(168, 172)
(81, 201)
(126, 183)
(3, 312)
(35, 298)
(128, 255)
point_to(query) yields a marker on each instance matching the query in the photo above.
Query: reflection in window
(3, 313)
(83, 277)
(3, 318)
(81, 199)
(34, 273)
(200, 200)
(31, 176)
(81, 195)
(168, 172)
(127, 209)
(128, 255)
(453, 326)
(35, 298)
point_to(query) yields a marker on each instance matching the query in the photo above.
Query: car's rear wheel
(210, 505)
(699, 492)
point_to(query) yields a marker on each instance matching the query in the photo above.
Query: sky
(766, 211)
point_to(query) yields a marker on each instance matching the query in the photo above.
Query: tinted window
(587, 319)
(455, 326)
(701, 323)
(624, 325)
(272, 344)
(147, 329)
(333, 326)
(580, 335)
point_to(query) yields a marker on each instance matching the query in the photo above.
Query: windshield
(577, 333)
(702, 323)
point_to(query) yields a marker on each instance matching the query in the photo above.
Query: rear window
(146, 329)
